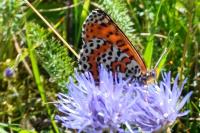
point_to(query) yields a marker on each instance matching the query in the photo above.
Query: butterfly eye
(153, 74)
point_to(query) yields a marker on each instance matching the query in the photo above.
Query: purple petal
(185, 99)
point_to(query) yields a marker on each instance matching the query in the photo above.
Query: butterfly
(104, 43)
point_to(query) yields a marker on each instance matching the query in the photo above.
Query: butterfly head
(149, 77)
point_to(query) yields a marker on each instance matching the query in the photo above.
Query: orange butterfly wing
(105, 43)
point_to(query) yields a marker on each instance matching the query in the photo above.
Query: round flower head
(8, 72)
(94, 108)
(160, 105)
(115, 103)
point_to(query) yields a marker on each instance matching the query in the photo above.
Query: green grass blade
(84, 14)
(149, 52)
(76, 14)
(37, 77)
(161, 64)
(149, 48)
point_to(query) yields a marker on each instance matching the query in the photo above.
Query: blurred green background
(35, 64)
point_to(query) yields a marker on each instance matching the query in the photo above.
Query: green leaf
(84, 14)
(149, 51)
(52, 56)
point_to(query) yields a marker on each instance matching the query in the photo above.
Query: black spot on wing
(110, 53)
(109, 58)
(91, 44)
(104, 55)
(84, 66)
(109, 34)
(119, 53)
(125, 50)
(84, 58)
(98, 59)
(103, 25)
(120, 43)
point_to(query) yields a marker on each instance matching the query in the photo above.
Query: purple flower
(8, 72)
(160, 105)
(92, 108)
(117, 105)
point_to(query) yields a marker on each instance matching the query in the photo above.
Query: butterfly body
(104, 43)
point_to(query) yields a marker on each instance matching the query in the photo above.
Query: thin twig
(156, 35)
(194, 119)
(96, 4)
(18, 49)
(51, 27)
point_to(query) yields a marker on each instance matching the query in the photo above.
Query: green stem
(38, 81)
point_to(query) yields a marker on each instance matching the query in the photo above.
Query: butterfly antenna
(163, 54)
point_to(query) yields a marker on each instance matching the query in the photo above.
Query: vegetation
(35, 63)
